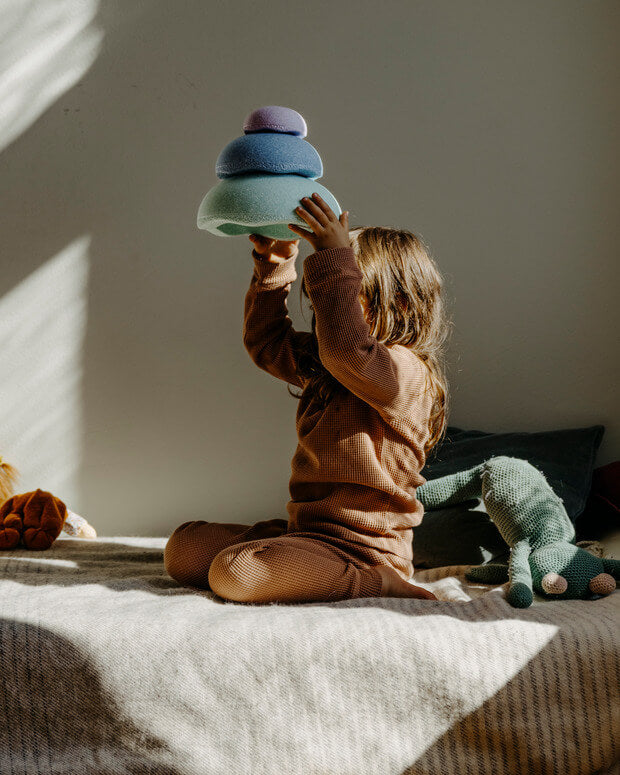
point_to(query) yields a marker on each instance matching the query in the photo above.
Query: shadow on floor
(57, 715)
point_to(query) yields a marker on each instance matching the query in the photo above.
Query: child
(370, 410)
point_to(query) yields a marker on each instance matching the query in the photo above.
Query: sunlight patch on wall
(42, 328)
(45, 48)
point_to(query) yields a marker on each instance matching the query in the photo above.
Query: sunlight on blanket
(42, 326)
(46, 49)
(50, 562)
(479, 679)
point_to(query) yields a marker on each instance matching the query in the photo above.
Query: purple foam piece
(275, 118)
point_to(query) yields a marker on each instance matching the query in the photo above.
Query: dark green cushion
(458, 535)
(566, 457)
(464, 534)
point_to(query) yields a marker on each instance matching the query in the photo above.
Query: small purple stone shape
(275, 118)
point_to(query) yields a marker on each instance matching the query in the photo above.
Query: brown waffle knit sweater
(357, 465)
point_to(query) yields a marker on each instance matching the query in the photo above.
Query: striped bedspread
(109, 667)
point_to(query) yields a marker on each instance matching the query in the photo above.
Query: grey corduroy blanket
(109, 667)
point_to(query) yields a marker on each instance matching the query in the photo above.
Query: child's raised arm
(268, 333)
(389, 379)
(386, 378)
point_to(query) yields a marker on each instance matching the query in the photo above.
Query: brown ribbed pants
(262, 563)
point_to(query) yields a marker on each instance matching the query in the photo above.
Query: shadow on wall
(42, 327)
(134, 414)
(46, 48)
(58, 717)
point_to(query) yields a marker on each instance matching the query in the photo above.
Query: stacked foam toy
(263, 175)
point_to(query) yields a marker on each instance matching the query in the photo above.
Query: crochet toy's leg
(520, 593)
(289, 569)
(488, 574)
(451, 489)
(193, 545)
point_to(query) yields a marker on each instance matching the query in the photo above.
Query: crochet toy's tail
(451, 489)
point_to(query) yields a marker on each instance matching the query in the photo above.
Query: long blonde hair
(402, 288)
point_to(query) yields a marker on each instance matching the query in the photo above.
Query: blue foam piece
(275, 153)
(259, 204)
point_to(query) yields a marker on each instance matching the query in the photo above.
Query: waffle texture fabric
(357, 464)
(260, 563)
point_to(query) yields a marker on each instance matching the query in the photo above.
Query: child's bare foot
(394, 585)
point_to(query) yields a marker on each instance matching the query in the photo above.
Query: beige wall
(490, 128)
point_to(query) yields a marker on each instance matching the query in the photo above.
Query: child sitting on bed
(373, 404)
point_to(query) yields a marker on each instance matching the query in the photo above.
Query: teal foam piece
(259, 204)
(275, 153)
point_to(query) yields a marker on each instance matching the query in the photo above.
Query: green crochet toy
(533, 521)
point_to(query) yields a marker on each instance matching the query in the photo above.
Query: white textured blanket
(109, 667)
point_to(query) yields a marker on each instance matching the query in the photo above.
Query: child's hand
(271, 249)
(328, 231)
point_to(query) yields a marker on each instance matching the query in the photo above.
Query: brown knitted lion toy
(34, 519)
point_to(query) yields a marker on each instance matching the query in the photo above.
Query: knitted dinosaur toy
(34, 519)
(533, 521)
